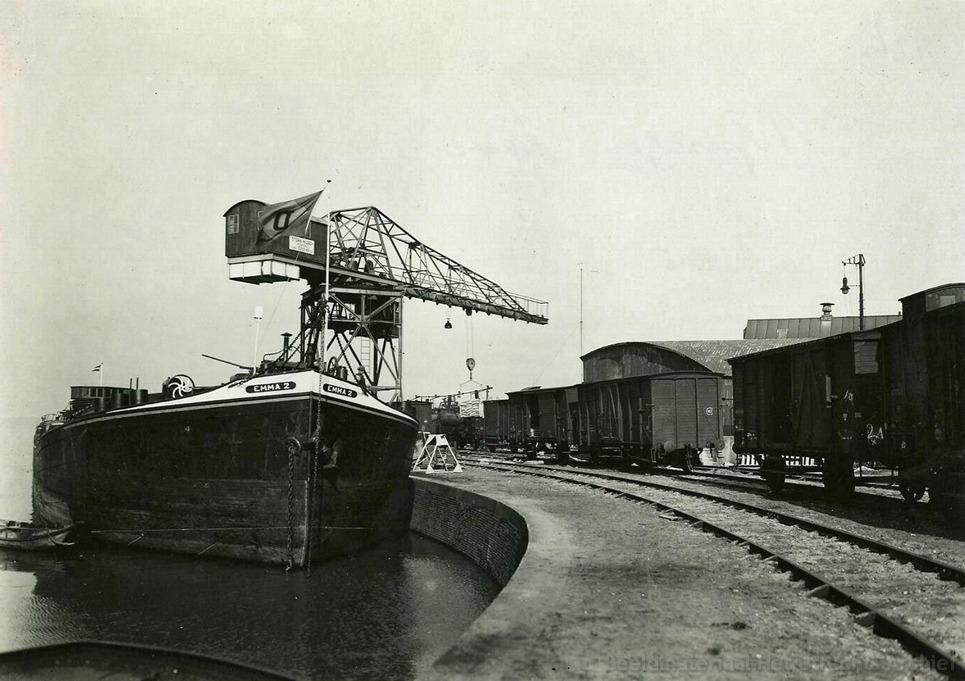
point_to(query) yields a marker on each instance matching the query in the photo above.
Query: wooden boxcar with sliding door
(498, 426)
(663, 419)
(543, 420)
(819, 399)
(922, 359)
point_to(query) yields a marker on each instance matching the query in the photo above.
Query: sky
(659, 170)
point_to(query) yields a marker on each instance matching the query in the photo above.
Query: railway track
(899, 594)
(883, 486)
(873, 491)
(804, 484)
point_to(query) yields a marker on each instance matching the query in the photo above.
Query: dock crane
(359, 265)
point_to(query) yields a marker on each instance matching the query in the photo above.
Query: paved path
(610, 589)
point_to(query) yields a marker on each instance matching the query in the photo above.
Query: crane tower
(358, 265)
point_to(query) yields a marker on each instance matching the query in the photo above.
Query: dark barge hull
(234, 472)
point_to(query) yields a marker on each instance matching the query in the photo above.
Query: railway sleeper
(864, 615)
(880, 624)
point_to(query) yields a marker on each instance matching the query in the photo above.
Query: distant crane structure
(454, 397)
(359, 266)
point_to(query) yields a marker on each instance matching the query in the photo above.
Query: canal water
(384, 613)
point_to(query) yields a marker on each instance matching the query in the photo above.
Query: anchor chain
(289, 560)
(317, 435)
(316, 486)
(316, 504)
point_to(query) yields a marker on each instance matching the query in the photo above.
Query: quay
(608, 588)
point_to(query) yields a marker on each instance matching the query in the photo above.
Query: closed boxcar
(542, 419)
(498, 428)
(894, 396)
(923, 365)
(421, 411)
(819, 399)
(654, 420)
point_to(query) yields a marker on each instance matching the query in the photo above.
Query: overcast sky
(706, 162)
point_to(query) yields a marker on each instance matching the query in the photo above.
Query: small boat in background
(15, 534)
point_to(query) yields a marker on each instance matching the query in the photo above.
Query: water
(383, 613)
(380, 614)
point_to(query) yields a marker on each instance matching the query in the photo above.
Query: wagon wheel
(773, 470)
(688, 462)
(912, 490)
(774, 480)
(838, 477)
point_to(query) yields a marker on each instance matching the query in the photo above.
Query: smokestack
(286, 344)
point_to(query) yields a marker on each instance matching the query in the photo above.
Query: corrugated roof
(539, 388)
(933, 289)
(714, 354)
(811, 327)
(866, 334)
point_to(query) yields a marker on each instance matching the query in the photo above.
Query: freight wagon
(922, 361)
(890, 396)
(819, 399)
(446, 419)
(651, 420)
(498, 428)
(540, 421)
(502, 427)
(421, 411)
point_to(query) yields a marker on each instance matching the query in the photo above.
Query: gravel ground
(913, 528)
(932, 607)
(611, 589)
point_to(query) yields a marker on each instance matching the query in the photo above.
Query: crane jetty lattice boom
(359, 264)
(367, 239)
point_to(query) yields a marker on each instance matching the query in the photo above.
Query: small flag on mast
(98, 367)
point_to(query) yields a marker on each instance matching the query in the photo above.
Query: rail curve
(836, 591)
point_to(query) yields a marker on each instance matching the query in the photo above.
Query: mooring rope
(219, 529)
(190, 529)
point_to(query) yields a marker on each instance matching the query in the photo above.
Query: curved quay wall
(489, 533)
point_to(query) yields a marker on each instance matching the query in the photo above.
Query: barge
(275, 468)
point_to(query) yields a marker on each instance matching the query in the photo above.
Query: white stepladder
(436, 454)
